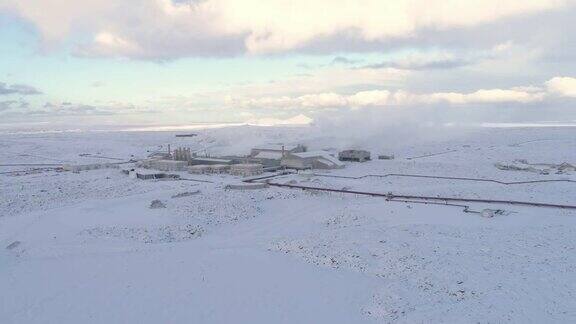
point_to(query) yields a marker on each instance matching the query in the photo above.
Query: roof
(318, 154)
(269, 155)
(311, 154)
(147, 172)
(211, 159)
(333, 160)
(247, 166)
(355, 152)
(169, 162)
(277, 147)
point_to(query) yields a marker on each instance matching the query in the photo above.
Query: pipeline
(391, 196)
(429, 155)
(195, 180)
(32, 170)
(249, 180)
(442, 177)
(465, 208)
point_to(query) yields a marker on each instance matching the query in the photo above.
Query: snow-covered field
(86, 248)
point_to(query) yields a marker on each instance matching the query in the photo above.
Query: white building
(209, 160)
(208, 168)
(311, 160)
(164, 165)
(275, 151)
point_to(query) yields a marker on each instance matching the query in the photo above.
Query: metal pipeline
(442, 177)
(391, 196)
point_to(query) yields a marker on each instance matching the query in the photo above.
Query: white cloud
(299, 120)
(563, 86)
(383, 98)
(108, 44)
(167, 29)
(18, 89)
(369, 98)
(487, 96)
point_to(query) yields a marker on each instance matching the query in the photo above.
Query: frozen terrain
(86, 248)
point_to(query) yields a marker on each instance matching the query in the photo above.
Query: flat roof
(211, 159)
(169, 161)
(318, 154)
(311, 154)
(269, 155)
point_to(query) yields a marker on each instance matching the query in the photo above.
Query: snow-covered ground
(86, 248)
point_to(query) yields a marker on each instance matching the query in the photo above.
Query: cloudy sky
(184, 61)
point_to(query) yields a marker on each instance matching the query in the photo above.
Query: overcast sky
(183, 61)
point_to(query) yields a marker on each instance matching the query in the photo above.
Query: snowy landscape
(287, 161)
(92, 247)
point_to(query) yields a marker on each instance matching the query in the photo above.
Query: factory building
(311, 160)
(151, 175)
(271, 155)
(208, 169)
(209, 161)
(268, 159)
(275, 151)
(164, 165)
(219, 168)
(199, 169)
(182, 154)
(85, 167)
(354, 155)
(246, 170)
(386, 157)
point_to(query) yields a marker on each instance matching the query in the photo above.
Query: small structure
(246, 186)
(85, 167)
(160, 155)
(156, 204)
(246, 170)
(386, 157)
(311, 160)
(354, 155)
(149, 175)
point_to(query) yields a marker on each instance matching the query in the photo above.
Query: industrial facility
(311, 160)
(272, 157)
(275, 151)
(354, 155)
